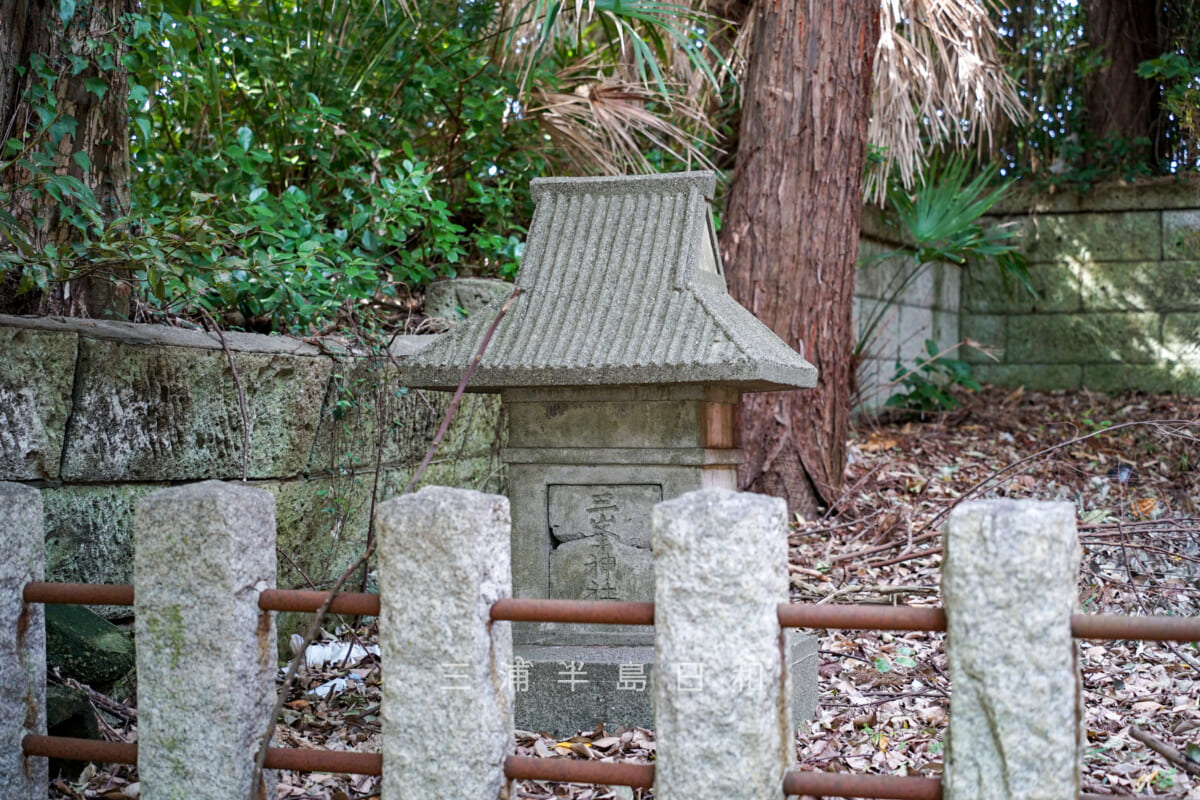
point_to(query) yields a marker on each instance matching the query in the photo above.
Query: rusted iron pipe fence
(849, 617)
(844, 616)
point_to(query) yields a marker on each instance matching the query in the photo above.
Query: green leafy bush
(929, 381)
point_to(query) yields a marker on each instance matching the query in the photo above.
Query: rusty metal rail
(596, 612)
(90, 594)
(859, 617)
(357, 603)
(843, 784)
(791, 615)
(607, 773)
(292, 758)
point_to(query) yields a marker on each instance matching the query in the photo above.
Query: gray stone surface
(366, 400)
(622, 511)
(564, 690)
(1009, 585)
(1114, 337)
(595, 243)
(86, 647)
(205, 651)
(443, 561)
(1181, 234)
(1142, 286)
(720, 571)
(157, 413)
(601, 568)
(454, 299)
(132, 333)
(37, 369)
(22, 643)
(89, 534)
(1111, 236)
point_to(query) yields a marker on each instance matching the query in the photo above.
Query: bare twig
(1165, 750)
(258, 788)
(978, 486)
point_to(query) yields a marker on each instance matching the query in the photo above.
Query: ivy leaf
(66, 10)
(83, 160)
(96, 86)
(882, 664)
(245, 137)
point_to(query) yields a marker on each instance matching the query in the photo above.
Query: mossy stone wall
(99, 414)
(1118, 274)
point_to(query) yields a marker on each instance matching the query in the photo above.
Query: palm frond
(607, 122)
(938, 81)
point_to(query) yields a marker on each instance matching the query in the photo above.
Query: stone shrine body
(621, 364)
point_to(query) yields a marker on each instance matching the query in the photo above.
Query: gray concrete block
(1009, 584)
(1031, 376)
(1141, 286)
(203, 553)
(89, 534)
(443, 561)
(169, 413)
(22, 643)
(1111, 236)
(1114, 337)
(720, 571)
(453, 299)
(1178, 378)
(37, 371)
(990, 330)
(1181, 234)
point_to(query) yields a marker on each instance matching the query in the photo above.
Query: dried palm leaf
(606, 122)
(939, 81)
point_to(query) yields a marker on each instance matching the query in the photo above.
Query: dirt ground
(1128, 464)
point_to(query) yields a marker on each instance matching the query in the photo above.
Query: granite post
(443, 560)
(721, 696)
(205, 652)
(22, 643)
(1009, 583)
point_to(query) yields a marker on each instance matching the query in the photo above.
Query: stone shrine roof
(621, 284)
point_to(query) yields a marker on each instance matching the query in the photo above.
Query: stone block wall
(1118, 274)
(927, 308)
(100, 414)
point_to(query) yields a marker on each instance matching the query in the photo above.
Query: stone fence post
(1009, 583)
(720, 690)
(443, 560)
(205, 652)
(22, 642)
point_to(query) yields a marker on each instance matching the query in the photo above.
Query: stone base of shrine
(564, 690)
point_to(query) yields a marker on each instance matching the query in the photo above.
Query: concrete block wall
(1118, 271)
(98, 415)
(928, 308)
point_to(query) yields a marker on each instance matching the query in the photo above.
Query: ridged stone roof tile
(621, 284)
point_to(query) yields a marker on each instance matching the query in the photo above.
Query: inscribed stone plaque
(601, 568)
(621, 512)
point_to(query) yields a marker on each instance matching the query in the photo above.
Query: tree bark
(1119, 102)
(94, 35)
(789, 236)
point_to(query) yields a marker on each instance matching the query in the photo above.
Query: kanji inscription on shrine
(601, 541)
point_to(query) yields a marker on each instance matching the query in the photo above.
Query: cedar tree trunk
(789, 236)
(95, 33)
(1126, 32)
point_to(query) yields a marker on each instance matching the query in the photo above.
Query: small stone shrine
(621, 364)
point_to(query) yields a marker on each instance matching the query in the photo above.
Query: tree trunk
(789, 236)
(1126, 32)
(86, 47)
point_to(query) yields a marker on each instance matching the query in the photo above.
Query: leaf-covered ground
(884, 699)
